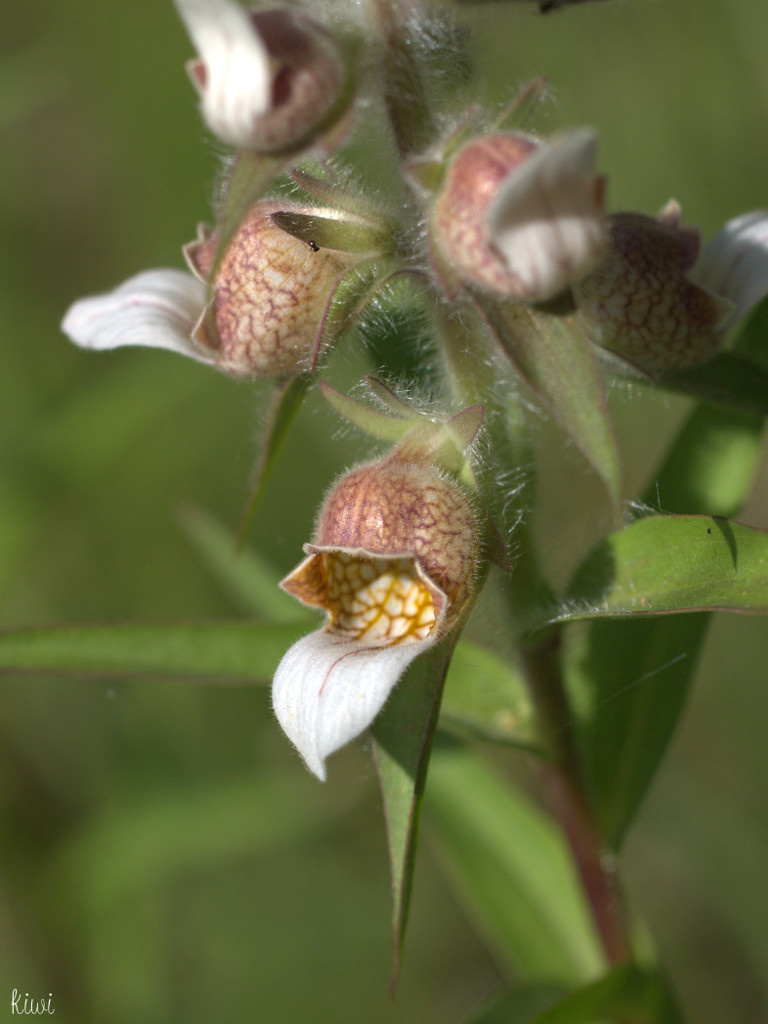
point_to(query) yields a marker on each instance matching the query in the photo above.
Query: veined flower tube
(263, 310)
(267, 79)
(662, 303)
(520, 218)
(392, 565)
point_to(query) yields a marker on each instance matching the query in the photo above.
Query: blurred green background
(163, 855)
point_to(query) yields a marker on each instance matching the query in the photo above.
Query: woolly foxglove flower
(520, 218)
(262, 311)
(392, 564)
(646, 302)
(267, 79)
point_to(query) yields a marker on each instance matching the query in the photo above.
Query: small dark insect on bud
(545, 6)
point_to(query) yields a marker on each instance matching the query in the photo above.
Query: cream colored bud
(520, 218)
(271, 293)
(639, 302)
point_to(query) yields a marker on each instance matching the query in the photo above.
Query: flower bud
(271, 293)
(392, 564)
(639, 302)
(268, 80)
(520, 218)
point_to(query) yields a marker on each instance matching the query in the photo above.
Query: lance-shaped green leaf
(672, 564)
(511, 869)
(556, 360)
(632, 681)
(209, 652)
(402, 741)
(629, 678)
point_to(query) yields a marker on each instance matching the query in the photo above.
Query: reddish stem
(569, 803)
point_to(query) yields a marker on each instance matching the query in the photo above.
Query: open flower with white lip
(267, 79)
(662, 302)
(392, 564)
(520, 218)
(261, 312)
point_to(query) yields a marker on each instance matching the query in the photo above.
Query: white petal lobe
(547, 219)
(734, 264)
(237, 72)
(156, 309)
(327, 690)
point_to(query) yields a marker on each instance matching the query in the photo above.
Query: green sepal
(378, 424)
(519, 112)
(342, 234)
(420, 437)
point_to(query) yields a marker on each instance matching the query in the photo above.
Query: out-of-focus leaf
(226, 652)
(629, 678)
(119, 853)
(511, 869)
(486, 696)
(711, 466)
(558, 363)
(402, 741)
(517, 1005)
(726, 380)
(628, 993)
(672, 564)
(286, 402)
(245, 574)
